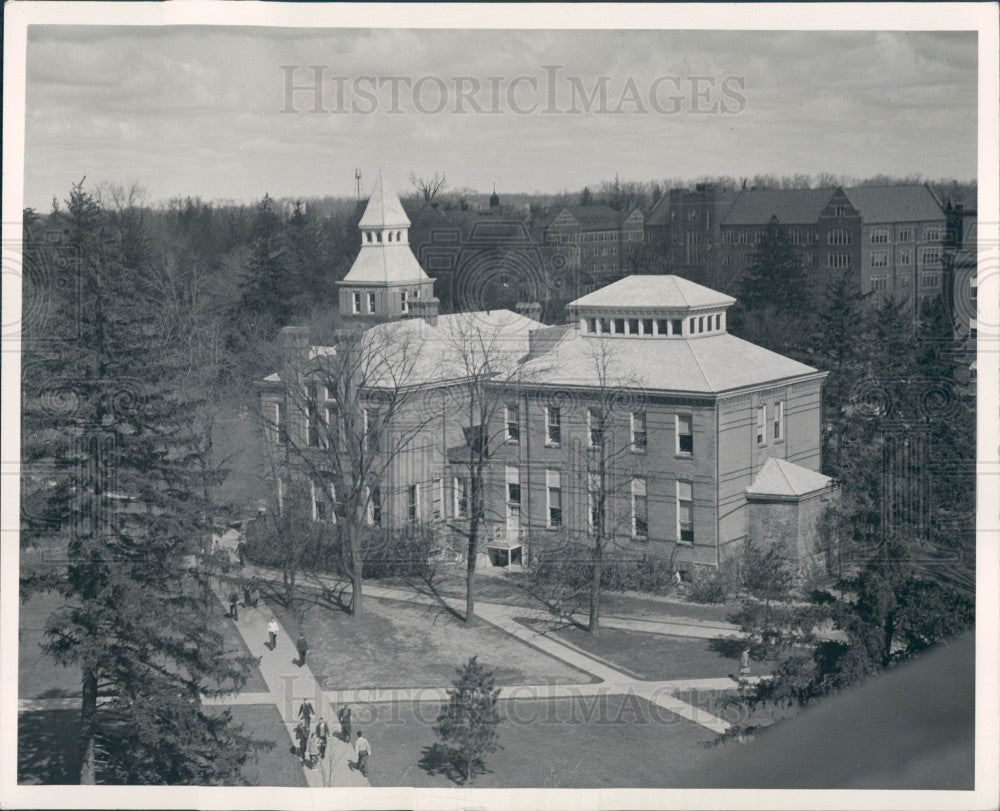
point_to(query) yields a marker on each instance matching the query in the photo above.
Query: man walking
(344, 716)
(234, 602)
(306, 713)
(303, 647)
(322, 733)
(363, 749)
(272, 631)
(301, 739)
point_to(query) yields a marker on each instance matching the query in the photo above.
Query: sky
(206, 112)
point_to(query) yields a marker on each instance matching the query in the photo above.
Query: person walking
(745, 663)
(363, 749)
(272, 632)
(322, 733)
(302, 647)
(344, 716)
(234, 603)
(306, 713)
(246, 595)
(312, 750)
(301, 740)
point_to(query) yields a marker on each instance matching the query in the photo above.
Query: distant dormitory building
(714, 440)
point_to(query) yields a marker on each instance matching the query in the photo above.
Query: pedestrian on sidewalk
(272, 632)
(301, 739)
(306, 712)
(312, 750)
(344, 716)
(255, 594)
(234, 602)
(246, 595)
(322, 733)
(302, 647)
(363, 749)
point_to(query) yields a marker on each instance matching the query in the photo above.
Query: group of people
(312, 740)
(251, 596)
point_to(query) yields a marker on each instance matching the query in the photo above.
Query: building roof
(709, 364)
(666, 292)
(383, 209)
(884, 204)
(591, 218)
(790, 206)
(381, 263)
(779, 477)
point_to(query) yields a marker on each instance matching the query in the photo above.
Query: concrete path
(289, 685)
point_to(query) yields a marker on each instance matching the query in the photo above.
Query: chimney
(293, 342)
(425, 308)
(529, 309)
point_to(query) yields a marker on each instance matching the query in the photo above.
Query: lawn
(396, 644)
(648, 656)
(41, 677)
(47, 747)
(608, 742)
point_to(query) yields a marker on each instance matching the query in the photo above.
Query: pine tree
(468, 724)
(775, 278)
(107, 411)
(265, 288)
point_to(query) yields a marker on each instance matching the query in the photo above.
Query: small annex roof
(660, 292)
(781, 478)
(384, 209)
(887, 204)
(710, 364)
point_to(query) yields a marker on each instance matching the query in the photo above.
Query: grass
(608, 742)
(39, 676)
(47, 751)
(396, 644)
(646, 656)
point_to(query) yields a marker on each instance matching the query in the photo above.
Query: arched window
(398, 235)
(368, 235)
(378, 236)
(390, 236)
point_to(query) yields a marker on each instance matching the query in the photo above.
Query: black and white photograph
(449, 406)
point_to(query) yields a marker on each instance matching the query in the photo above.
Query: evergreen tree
(775, 278)
(108, 413)
(265, 287)
(468, 724)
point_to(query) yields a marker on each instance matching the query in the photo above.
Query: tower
(494, 199)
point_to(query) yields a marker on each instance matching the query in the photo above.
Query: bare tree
(429, 188)
(352, 410)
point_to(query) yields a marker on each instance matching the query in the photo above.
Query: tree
(586, 197)
(352, 410)
(129, 511)
(265, 291)
(775, 277)
(486, 359)
(468, 723)
(429, 188)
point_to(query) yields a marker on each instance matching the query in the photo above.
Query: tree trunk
(354, 539)
(88, 728)
(596, 560)
(470, 572)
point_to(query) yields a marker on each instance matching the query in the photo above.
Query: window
(933, 233)
(281, 496)
(879, 236)
(718, 321)
(693, 215)
(905, 256)
(595, 428)
(619, 325)
(677, 325)
(685, 438)
(647, 326)
(375, 507)
(904, 234)
(928, 281)
(356, 303)
(413, 503)
(841, 211)
(369, 441)
(880, 284)
(746, 236)
(795, 236)
(403, 305)
(638, 430)
(461, 497)
(281, 423)
(591, 325)
(633, 326)
(437, 506)
(779, 416)
(930, 256)
(604, 324)
(553, 498)
(553, 431)
(838, 260)
(685, 512)
(761, 423)
(511, 417)
(691, 324)
(321, 505)
(640, 509)
(880, 259)
(838, 236)
(371, 302)
(513, 486)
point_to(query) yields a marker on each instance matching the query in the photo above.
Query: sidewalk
(289, 685)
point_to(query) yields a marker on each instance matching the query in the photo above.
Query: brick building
(706, 439)
(596, 240)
